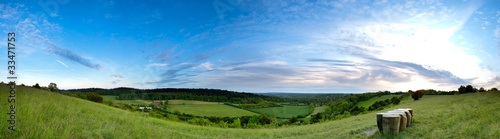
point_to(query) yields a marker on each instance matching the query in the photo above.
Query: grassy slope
(211, 110)
(285, 111)
(43, 114)
(369, 102)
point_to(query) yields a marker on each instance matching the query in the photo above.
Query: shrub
(94, 97)
(109, 102)
(396, 101)
(293, 120)
(417, 94)
(199, 121)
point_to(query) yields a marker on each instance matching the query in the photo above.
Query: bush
(396, 101)
(293, 120)
(199, 121)
(94, 97)
(109, 102)
(417, 94)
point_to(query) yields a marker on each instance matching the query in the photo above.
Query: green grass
(369, 102)
(211, 110)
(135, 102)
(284, 112)
(42, 114)
(184, 102)
(319, 109)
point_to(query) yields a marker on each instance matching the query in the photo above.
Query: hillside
(42, 114)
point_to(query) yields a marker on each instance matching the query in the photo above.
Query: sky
(307, 46)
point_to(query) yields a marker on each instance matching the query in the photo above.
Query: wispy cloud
(62, 63)
(70, 55)
(118, 78)
(35, 30)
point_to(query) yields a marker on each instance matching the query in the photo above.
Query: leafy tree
(482, 89)
(493, 89)
(462, 89)
(469, 89)
(37, 86)
(94, 97)
(53, 87)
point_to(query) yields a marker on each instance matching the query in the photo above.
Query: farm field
(319, 109)
(284, 112)
(43, 114)
(211, 110)
(188, 102)
(135, 102)
(369, 102)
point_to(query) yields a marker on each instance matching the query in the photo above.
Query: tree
(53, 87)
(462, 89)
(417, 94)
(94, 97)
(493, 89)
(482, 89)
(469, 89)
(37, 86)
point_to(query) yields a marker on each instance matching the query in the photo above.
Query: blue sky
(316, 46)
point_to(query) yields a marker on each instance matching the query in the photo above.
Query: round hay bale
(391, 123)
(403, 119)
(379, 122)
(408, 116)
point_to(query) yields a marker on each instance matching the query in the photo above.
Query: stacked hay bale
(394, 121)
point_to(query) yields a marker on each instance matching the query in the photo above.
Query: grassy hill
(42, 114)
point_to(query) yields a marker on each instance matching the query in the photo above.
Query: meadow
(369, 102)
(319, 109)
(134, 102)
(189, 102)
(219, 110)
(43, 114)
(284, 112)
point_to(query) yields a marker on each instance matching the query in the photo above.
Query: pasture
(284, 112)
(319, 109)
(189, 102)
(134, 102)
(219, 110)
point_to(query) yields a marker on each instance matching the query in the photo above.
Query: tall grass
(43, 114)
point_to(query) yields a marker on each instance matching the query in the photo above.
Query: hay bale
(391, 123)
(403, 120)
(408, 115)
(379, 122)
(411, 113)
